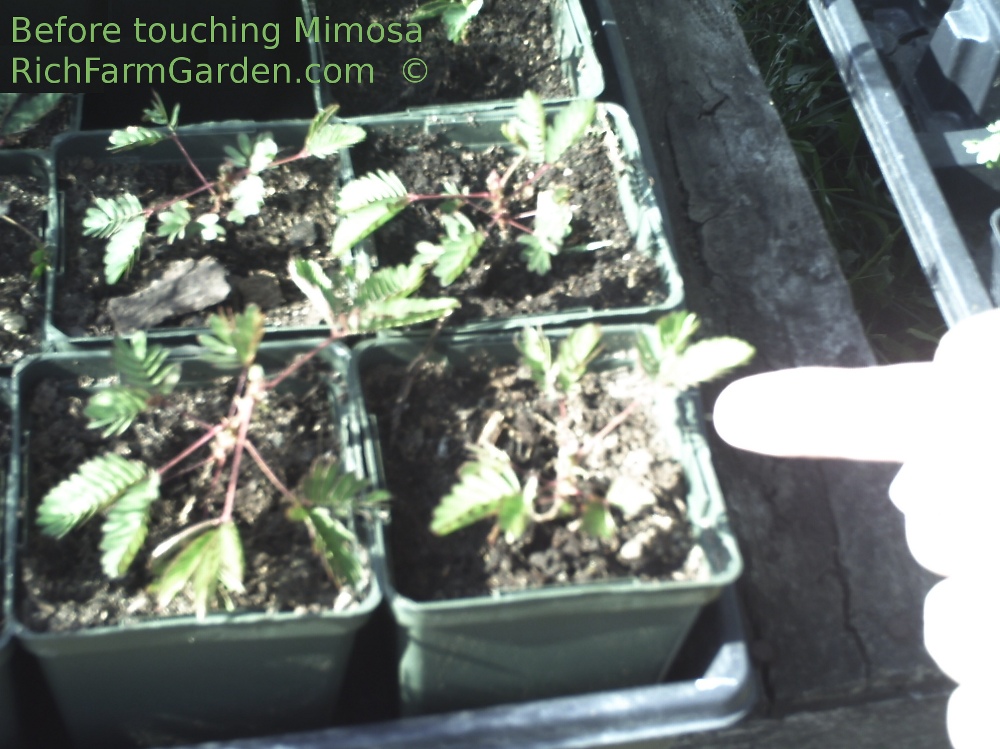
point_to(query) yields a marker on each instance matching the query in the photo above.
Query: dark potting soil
(24, 199)
(428, 419)
(40, 136)
(498, 283)
(509, 50)
(295, 221)
(61, 581)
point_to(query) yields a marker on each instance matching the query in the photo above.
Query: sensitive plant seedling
(370, 201)
(987, 150)
(491, 484)
(237, 193)
(39, 256)
(207, 556)
(455, 15)
(21, 112)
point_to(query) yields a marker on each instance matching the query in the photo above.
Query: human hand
(942, 421)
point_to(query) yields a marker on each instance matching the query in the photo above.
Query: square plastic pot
(8, 715)
(572, 38)
(176, 680)
(919, 76)
(573, 639)
(480, 129)
(205, 144)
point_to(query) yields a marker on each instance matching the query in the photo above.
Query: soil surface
(429, 418)
(509, 49)
(61, 581)
(40, 136)
(295, 221)
(24, 199)
(498, 283)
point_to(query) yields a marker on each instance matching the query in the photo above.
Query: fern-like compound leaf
(122, 221)
(330, 297)
(326, 138)
(113, 409)
(568, 127)
(144, 366)
(987, 150)
(527, 131)
(485, 484)
(456, 19)
(213, 560)
(124, 529)
(335, 544)
(19, 112)
(396, 313)
(575, 354)
(710, 359)
(173, 222)
(362, 222)
(370, 188)
(457, 249)
(96, 485)
(329, 485)
(134, 136)
(536, 353)
(235, 338)
(248, 198)
(660, 344)
(254, 155)
(396, 282)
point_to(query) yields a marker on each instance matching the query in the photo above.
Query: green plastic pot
(527, 645)
(36, 164)
(8, 714)
(180, 680)
(479, 128)
(205, 144)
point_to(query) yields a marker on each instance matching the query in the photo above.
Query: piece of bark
(185, 286)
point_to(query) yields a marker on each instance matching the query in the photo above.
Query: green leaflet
(113, 409)
(121, 221)
(20, 112)
(486, 484)
(124, 529)
(145, 366)
(134, 137)
(325, 138)
(536, 353)
(335, 544)
(575, 354)
(212, 562)
(456, 251)
(568, 127)
(97, 484)
(395, 313)
(667, 357)
(235, 339)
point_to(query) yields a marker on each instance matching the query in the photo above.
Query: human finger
(960, 627)
(870, 413)
(972, 715)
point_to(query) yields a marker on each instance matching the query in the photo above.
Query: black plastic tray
(711, 685)
(919, 75)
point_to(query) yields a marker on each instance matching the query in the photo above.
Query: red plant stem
(26, 230)
(266, 470)
(294, 366)
(609, 427)
(244, 413)
(194, 167)
(191, 448)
